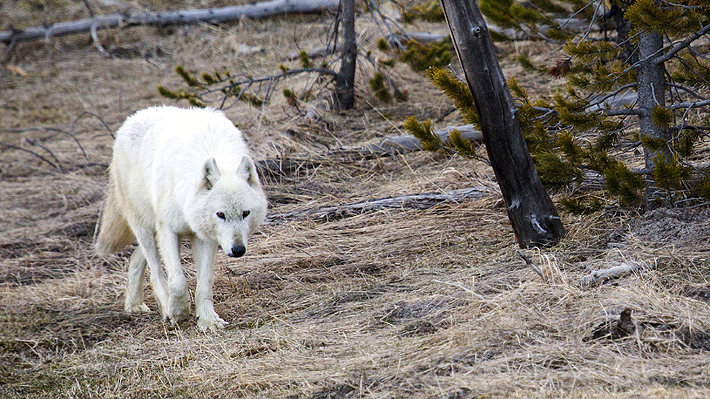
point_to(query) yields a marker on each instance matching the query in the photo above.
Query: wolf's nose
(237, 251)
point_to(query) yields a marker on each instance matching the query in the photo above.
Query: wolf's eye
(245, 214)
(221, 215)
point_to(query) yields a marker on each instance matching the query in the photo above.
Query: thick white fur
(179, 173)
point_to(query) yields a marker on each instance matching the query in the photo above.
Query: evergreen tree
(658, 60)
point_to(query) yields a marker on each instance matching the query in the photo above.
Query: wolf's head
(232, 205)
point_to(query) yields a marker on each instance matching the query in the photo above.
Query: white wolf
(179, 173)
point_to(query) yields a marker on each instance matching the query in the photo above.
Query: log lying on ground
(418, 201)
(597, 277)
(407, 143)
(386, 147)
(211, 15)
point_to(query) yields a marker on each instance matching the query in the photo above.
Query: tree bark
(650, 84)
(531, 212)
(345, 84)
(258, 10)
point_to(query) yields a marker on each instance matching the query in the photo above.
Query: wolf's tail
(114, 232)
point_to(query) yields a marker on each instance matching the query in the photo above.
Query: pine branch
(693, 70)
(230, 87)
(623, 112)
(681, 45)
(383, 20)
(685, 89)
(694, 104)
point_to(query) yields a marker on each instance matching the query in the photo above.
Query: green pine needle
(379, 87)
(582, 206)
(704, 186)
(192, 82)
(661, 116)
(421, 56)
(648, 15)
(555, 172)
(623, 183)
(422, 131)
(463, 146)
(525, 62)
(304, 59)
(670, 174)
(382, 45)
(167, 93)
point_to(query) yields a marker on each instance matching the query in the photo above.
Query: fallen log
(597, 277)
(386, 147)
(417, 201)
(211, 15)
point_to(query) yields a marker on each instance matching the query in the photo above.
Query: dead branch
(418, 201)
(315, 54)
(386, 147)
(597, 277)
(530, 263)
(85, 113)
(209, 15)
(36, 155)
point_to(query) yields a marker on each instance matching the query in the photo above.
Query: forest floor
(392, 303)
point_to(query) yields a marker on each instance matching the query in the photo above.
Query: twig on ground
(470, 291)
(530, 263)
(110, 133)
(14, 147)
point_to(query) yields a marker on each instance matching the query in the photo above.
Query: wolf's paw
(178, 310)
(136, 308)
(210, 323)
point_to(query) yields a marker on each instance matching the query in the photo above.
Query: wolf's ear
(247, 171)
(210, 173)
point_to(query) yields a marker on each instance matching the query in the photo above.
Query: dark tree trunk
(345, 85)
(650, 84)
(623, 28)
(531, 212)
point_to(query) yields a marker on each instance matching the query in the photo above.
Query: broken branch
(597, 277)
(418, 201)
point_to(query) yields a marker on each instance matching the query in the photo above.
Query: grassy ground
(403, 303)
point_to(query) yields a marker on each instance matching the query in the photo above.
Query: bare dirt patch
(679, 227)
(397, 303)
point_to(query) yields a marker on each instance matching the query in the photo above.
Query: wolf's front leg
(178, 306)
(204, 253)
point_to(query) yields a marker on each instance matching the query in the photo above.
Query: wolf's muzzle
(237, 251)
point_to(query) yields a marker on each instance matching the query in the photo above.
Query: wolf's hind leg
(203, 253)
(146, 242)
(134, 285)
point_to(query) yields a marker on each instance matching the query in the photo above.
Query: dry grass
(385, 304)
